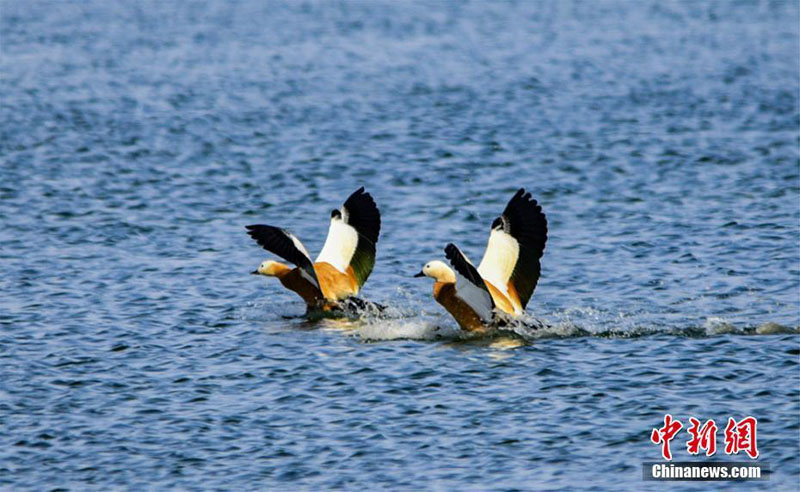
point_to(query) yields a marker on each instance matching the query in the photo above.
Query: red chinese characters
(665, 434)
(741, 436)
(704, 437)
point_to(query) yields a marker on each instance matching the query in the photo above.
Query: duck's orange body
(467, 318)
(501, 302)
(509, 304)
(292, 279)
(334, 285)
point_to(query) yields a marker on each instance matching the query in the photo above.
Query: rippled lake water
(139, 138)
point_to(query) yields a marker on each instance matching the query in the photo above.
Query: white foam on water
(407, 329)
(719, 326)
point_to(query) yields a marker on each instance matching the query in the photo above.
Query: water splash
(404, 329)
(529, 329)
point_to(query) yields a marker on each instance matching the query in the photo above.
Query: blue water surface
(137, 139)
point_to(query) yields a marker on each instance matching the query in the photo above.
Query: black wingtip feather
(450, 251)
(279, 242)
(363, 214)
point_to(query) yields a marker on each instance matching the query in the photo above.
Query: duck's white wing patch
(499, 260)
(477, 298)
(340, 245)
(307, 273)
(298, 245)
(470, 287)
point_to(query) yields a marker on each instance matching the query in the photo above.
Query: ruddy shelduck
(504, 281)
(343, 265)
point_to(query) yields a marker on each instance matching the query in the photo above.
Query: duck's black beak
(254, 272)
(420, 274)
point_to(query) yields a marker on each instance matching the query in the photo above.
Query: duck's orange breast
(465, 316)
(500, 300)
(296, 282)
(335, 285)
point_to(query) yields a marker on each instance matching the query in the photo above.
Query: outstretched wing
(285, 245)
(516, 243)
(352, 236)
(470, 287)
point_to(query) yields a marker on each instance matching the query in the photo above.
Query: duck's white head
(438, 271)
(269, 268)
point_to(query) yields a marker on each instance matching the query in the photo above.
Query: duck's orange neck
(280, 270)
(293, 279)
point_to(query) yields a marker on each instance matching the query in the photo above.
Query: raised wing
(285, 245)
(470, 287)
(516, 243)
(352, 236)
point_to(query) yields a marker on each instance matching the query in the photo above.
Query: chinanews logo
(740, 437)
